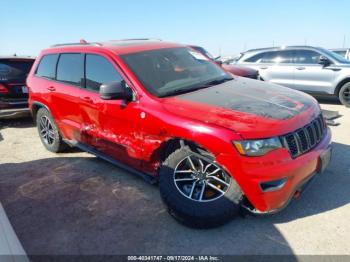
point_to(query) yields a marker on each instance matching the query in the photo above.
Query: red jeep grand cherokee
(214, 143)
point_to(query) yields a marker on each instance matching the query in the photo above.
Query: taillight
(3, 89)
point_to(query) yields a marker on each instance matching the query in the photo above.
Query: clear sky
(225, 26)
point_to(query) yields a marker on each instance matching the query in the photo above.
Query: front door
(112, 127)
(310, 76)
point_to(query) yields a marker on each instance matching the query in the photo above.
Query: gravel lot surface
(75, 203)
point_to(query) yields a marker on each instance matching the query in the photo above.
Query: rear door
(275, 66)
(65, 94)
(309, 75)
(113, 127)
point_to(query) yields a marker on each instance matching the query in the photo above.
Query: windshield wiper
(205, 85)
(217, 81)
(181, 91)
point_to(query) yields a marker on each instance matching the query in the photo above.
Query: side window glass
(70, 69)
(255, 58)
(284, 57)
(307, 57)
(99, 71)
(269, 57)
(47, 66)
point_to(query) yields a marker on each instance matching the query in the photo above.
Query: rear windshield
(14, 70)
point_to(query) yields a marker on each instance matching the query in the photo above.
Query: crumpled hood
(249, 107)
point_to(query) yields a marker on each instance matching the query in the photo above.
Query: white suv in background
(313, 70)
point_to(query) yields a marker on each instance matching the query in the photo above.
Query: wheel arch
(340, 84)
(174, 143)
(35, 108)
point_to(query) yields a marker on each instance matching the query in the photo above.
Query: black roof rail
(81, 42)
(137, 39)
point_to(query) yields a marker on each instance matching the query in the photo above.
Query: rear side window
(273, 57)
(99, 71)
(47, 66)
(255, 58)
(70, 69)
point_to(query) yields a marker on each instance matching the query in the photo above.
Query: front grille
(305, 138)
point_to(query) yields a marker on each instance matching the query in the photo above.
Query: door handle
(51, 88)
(88, 99)
(300, 68)
(263, 67)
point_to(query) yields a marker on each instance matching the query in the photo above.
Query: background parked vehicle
(345, 52)
(233, 69)
(313, 70)
(167, 113)
(13, 89)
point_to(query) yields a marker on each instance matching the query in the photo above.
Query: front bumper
(251, 172)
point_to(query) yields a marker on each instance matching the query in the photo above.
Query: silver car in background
(313, 70)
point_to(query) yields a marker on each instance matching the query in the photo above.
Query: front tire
(197, 191)
(48, 132)
(344, 94)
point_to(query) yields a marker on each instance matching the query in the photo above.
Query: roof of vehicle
(118, 46)
(12, 57)
(339, 49)
(280, 48)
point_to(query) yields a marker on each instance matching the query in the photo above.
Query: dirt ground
(75, 203)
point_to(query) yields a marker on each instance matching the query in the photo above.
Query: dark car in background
(13, 89)
(233, 69)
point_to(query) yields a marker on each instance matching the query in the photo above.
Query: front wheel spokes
(185, 179)
(191, 163)
(219, 180)
(215, 188)
(202, 192)
(192, 189)
(200, 179)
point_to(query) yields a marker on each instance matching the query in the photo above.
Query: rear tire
(198, 207)
(344, 94)
(48, 132)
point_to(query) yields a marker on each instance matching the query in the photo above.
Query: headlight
(257, 147)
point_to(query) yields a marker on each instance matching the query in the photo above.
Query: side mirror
(115, 90)
(324, 61)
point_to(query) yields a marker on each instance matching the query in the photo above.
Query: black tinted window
(47, 66)
(70, 69)
(99, 71)
(12, 69)
(307, 57)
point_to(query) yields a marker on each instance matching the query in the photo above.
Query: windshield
(11, 69)
(203, 51)
(336, 57)
(172, 71)
(342, 53)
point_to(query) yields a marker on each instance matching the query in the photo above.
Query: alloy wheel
(46, 130)
(200, 179)
(346, 94)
